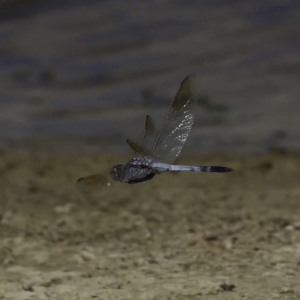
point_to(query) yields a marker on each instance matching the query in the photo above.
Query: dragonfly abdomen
(200, 168)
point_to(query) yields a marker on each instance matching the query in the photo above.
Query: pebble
(63, 209)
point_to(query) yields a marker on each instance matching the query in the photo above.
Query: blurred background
(80, 76)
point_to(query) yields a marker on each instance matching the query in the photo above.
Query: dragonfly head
(116, 172)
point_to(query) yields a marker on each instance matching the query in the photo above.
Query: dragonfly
(156, 149)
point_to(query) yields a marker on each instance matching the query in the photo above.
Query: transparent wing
(146, 139)
(138, 149)
(95, 182)
(178, 123)
(150, 132)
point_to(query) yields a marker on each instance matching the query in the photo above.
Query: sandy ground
(178, 236)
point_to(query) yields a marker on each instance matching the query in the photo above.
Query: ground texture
(178, 236)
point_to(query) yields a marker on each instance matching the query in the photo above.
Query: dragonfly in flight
(156, 149)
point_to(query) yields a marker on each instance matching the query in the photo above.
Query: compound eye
(115, 172)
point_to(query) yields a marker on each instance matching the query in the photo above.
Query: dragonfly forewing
(139, 149)
(149, 133)
(144, 143)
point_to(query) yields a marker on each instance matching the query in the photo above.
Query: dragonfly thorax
(136, 170)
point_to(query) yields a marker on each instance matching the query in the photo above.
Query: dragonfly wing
(138, 149)
(95, 182)
(178, 123)
(146, 139)
(150, 133)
